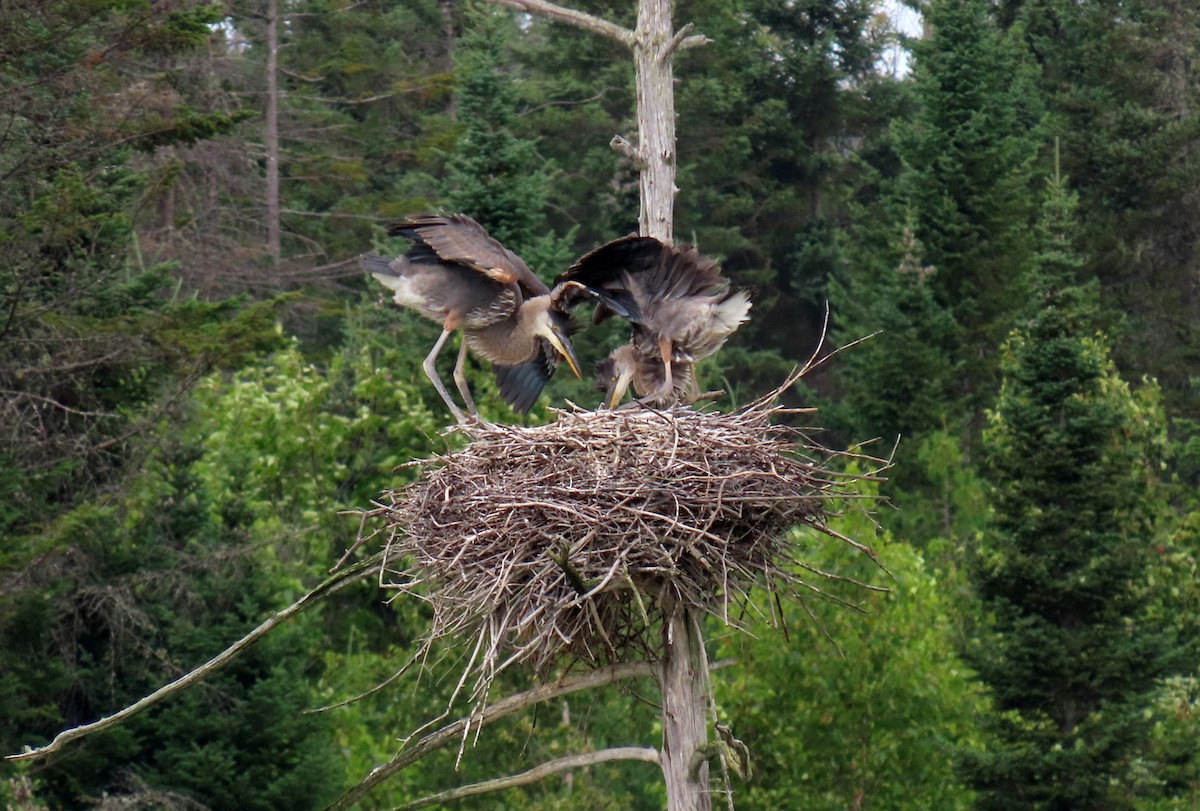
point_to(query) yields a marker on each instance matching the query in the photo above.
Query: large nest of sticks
(569, 539)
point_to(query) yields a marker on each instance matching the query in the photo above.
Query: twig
(681, 41)
(625, 149)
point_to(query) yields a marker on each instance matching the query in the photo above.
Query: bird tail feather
(378, 266)
(732, 311)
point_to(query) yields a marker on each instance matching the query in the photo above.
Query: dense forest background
(196, 380)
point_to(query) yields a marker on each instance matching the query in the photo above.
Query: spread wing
(458, 239)
(520, 385)
(605, 274)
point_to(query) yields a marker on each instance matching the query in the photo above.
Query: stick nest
(565, 540)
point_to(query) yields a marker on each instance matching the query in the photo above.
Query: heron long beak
(560, 343)
(614, 396)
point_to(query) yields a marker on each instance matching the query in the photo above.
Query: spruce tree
(1070, 657)
(968, 155)
(494, 175)
(1122, 88)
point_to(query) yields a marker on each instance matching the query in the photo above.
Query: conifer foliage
(1062, 566)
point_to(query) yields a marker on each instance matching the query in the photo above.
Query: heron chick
(456, 274)
(626, 367)
(682, 310)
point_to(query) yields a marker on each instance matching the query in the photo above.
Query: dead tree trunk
(683, 675)
(684, 693)
(656, 118)
(271, 136)
(653, 46)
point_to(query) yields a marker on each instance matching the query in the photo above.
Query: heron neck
(509, 342)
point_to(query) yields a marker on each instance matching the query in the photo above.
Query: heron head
(555, 326)
(615, 373)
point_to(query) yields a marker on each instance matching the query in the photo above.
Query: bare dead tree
(653, 44)
(271, 133)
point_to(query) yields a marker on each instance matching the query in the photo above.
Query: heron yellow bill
(560, 343)
(614, 397)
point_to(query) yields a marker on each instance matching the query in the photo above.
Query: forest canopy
(198, 384)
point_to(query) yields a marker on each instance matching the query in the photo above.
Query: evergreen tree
(934, 262)
(494, 175)
(1072, 657)
(768, 112)
(901, 381)
(1122, 87)
(968, 155)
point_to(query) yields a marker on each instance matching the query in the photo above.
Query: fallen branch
(353, 574)
(542, 770)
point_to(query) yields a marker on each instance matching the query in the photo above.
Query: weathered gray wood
(570, 16)
(656, 118)
(682, 669)
(684, 693)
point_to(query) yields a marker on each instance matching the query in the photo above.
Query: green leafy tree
(856, 710)
(128, 595)
(1072, 655)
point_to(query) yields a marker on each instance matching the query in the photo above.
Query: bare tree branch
(572, 17)
(493, 712)
(622, 147)
(542, 770)
(353, 574)
(681, 41)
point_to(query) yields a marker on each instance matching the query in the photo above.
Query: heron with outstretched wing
(682, 310)
(456, 274)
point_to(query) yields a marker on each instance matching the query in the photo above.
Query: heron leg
(664, 393)
(692, 393)
(665, 350)
(460, 379)
(431, 372)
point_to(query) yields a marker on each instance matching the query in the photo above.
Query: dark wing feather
(683, 272)
(603, 266)
(520, 385)
(459, 239)
(373, 263)
(617, 302)
(604, 272)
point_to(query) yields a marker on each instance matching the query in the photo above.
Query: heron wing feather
(520, 385)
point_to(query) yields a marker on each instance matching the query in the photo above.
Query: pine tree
(900, 382)
(1070, 658)
(1122, 88)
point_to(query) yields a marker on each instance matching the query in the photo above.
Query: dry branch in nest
(566, 541)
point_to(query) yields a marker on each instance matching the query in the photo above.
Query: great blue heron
(681, 308)
(458, 275)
